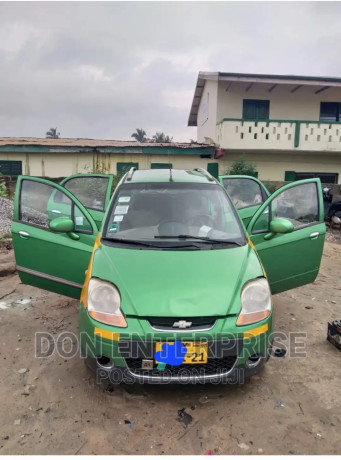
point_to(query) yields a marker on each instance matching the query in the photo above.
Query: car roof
(170, 175)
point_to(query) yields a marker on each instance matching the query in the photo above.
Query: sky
(102, 69)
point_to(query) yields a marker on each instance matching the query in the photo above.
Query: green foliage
(161, 137)
(52, 133)
(272, 186)
(115, 181)
(3, 188)
(242, 167)
(140, 135)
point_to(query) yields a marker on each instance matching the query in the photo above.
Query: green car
(174, 285)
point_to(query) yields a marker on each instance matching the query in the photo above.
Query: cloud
(101, 69)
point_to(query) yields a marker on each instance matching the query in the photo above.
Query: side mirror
(64, 225)
(279, 226)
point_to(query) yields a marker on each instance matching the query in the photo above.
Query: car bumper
(233, 354)
(116, 375)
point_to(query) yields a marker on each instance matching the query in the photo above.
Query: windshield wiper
(123, 240)
(143, 243)
(201, 238)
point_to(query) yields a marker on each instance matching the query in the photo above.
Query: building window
(10, 168)
(330, 111)
(326, 178)
(122, 168)
(256, 109)
(161, 166)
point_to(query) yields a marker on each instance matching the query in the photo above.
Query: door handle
(314, 235)
(24, 235)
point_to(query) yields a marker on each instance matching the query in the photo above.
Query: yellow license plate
(196, 351)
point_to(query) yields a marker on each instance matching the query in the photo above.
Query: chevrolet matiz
(174, 274)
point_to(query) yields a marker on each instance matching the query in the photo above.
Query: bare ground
(55, 407)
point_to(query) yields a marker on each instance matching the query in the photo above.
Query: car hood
(177, 283)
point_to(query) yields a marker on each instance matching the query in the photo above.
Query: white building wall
(304, 104)
(207, 112)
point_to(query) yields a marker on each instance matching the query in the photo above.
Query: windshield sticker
(113, 228)
(124, 199)
(79, 220)
(118, 218)
(121, 209)
(204, 230)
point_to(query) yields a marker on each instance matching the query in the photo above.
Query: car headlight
(104, 302)
(256, 302)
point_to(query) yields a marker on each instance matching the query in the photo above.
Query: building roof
(296, 80)
(33, 144)
(163, 175)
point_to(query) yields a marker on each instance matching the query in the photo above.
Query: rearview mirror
(279, 226)
(64, 225)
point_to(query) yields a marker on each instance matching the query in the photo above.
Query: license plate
(196, 351)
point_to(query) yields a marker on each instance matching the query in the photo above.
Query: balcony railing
(235, 133)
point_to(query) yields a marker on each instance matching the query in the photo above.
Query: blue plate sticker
(113, 228)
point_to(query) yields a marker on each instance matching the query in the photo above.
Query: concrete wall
(272, 166)
(207, 112)
(304, 104)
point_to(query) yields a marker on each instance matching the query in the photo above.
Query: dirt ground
(54, 406)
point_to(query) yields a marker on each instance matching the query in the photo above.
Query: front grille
(212, 367)
(166, 323)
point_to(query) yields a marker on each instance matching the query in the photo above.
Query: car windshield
(169, 213)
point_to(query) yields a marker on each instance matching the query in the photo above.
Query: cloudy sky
(100, 70)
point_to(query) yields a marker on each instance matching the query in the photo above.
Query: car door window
(244, 192)
(263, 222)
(91, 191)
(38, 207)
(299, 204)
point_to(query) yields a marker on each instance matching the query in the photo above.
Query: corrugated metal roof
(80, 142)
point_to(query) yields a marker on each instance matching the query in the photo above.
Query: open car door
(52, 246)
(92, 190)
(288, 232)
(247, 194)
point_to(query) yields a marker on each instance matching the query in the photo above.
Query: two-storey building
(289, 126)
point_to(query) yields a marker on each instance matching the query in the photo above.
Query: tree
(242, 167)
(161, 137)
(140, 135)
(52, 133)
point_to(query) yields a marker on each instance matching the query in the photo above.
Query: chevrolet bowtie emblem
(182, 324)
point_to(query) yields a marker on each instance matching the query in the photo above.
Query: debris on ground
(22, 370)
(280, 352)
(243, 446)
(128, 422)
(334, 333)
(277, 406)
(184, 417)
(6, 216)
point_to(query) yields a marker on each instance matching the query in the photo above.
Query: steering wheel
(172, 227)
(199, 220)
